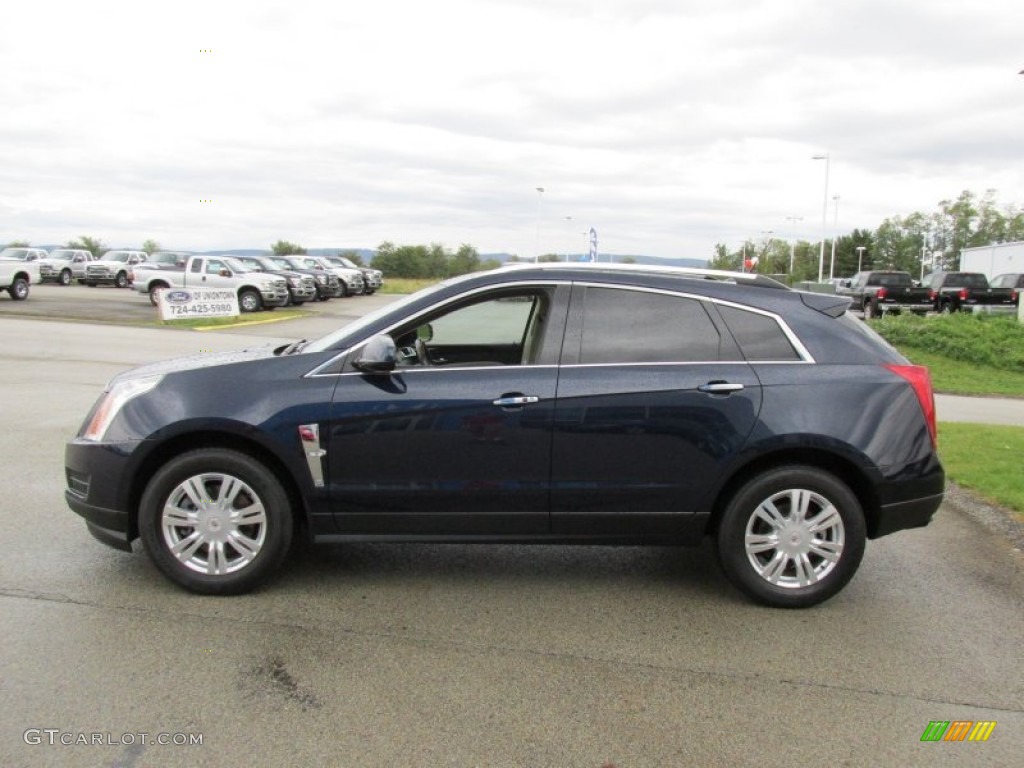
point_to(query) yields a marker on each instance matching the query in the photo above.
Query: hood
(192, 362)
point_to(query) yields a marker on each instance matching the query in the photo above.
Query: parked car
(301, 286)
(328, 284)
(19, 268)
(255, 290)
(113, 268)
(551, 403)
(352, 281)
(882, 291)
(967, 292)
(64, 265)
(1012, 280)
(373, 279)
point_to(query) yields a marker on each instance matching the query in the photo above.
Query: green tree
(18, 244)
(284, 248)
(465, 260)
(93, 245)
(151, 247)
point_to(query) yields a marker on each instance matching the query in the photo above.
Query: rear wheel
(870, 311)
(154, 292)
(792, 537)
(215, 521)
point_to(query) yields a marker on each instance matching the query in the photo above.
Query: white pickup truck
(19, 268)
(256, 290)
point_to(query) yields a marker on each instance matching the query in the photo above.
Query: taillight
(882, 293)
(1014, 296)
(933, 295)
(919, 378)
(963, 294)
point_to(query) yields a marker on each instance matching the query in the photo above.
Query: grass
(405, 284)
(985, 459)
(967, 354)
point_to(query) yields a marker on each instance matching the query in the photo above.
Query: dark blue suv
(591, 404)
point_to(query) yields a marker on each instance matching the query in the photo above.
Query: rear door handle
(719, 388)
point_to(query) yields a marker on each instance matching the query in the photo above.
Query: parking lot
(384, 655)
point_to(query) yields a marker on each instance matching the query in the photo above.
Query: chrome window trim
(801, 350)
(806, 358)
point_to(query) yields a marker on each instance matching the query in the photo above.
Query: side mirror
(377, 356)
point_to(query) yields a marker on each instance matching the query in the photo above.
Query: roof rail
(747, 278)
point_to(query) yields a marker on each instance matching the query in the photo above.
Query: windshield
(967, 280)
(121, 256)
(280, 263)
(21, 254)
(252, 265)
(348, 263)
(895, 280)
(238, 266)
(62, 255)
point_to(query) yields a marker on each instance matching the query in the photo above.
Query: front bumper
(275, 297)
(99, 488)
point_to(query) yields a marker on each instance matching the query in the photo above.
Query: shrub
(992, 340)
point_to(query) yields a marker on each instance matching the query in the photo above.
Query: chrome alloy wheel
(214, 524)
(794, 538)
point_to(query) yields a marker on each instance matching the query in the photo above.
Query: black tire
(869, 310)
(90, 283)
(154, 292)
(121, 281)
(81, 282)
(343, 290)
(19, 289)
(65, 277)
(249, 300)
(791, 537)
(369, 291)
(246, 553)
(946, 308)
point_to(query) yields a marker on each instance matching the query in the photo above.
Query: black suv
(538, 404)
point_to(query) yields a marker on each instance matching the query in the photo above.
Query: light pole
(860, 256)
(824, 217)
(835, 231)
(569, 220)
(792, 246)
(536, 243)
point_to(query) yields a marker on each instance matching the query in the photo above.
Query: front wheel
(121, 281)
(215, 521)
(250, 301)
(65, 277)
(19, 289)
(792, 537)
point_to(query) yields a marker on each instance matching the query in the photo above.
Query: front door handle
(719, 388)
(514, 401)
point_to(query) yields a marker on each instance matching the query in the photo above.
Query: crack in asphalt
(482, 648)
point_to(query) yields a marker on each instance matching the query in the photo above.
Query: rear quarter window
(760, 337)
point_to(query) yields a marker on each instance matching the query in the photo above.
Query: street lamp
(824, 217)
(860, 256)
(569, 220)
(835, 231)
(792, 246)
(536, 243)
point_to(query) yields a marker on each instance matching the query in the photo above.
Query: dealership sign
(197, 303)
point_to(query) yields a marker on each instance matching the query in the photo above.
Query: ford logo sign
(177, 297)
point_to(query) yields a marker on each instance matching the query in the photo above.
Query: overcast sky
(667, 125)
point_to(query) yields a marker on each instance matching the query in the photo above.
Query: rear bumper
(894, 307)
(906, 514)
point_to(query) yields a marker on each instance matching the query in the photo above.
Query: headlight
(113, 401)
(294, 282)
(320, 278)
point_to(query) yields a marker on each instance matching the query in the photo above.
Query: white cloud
(666, 125)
